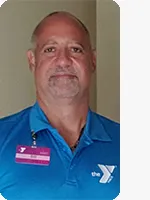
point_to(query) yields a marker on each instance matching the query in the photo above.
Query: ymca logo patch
(106, 173)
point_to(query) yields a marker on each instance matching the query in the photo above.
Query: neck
(68, 119)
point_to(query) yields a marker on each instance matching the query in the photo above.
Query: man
(59, 148)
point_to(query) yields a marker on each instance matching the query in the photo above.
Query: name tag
(32, 155)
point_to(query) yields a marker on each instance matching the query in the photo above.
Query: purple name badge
(32, 155)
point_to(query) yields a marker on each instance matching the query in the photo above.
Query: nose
(63, 58)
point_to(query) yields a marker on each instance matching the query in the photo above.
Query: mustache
(64, 71)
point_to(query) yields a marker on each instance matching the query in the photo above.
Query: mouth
(64, 75)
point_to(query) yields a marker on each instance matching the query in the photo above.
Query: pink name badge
(32, 155)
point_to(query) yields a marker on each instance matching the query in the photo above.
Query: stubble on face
(63, 82)
(64, 86)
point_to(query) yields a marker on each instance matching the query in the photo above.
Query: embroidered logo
(106, 175)
(1, 197)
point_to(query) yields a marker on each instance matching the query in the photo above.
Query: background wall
(108, 59)
(17, 21)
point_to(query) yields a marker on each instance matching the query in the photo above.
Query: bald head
(57, 16)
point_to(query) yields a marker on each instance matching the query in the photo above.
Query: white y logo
(1, 197)
(22, 149)
(107, 171)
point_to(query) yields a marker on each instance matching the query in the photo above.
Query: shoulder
(8, 123)
(15, 117)
(106, 120)
(110, 126)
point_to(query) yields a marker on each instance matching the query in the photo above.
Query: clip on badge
(32, 154)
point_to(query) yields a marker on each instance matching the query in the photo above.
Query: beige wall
(17, 21)
(108, 62)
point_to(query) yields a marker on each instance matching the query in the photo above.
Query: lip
(64, 75)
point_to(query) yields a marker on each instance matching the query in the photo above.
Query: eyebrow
(53, 42)
(50, 41)
(80, 45)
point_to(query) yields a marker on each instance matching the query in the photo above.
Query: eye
(76, 50)
(49, 49)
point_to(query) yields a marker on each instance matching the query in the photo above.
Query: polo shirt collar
(38, 120)
(94, 129)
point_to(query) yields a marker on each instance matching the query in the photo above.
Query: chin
(65, 94)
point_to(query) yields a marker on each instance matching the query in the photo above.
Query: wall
(108, 59)
(17, 21)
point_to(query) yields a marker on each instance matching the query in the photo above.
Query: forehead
(61, 26)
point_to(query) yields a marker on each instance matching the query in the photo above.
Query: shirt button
(71, 182)
(63, 149)
(72, 166)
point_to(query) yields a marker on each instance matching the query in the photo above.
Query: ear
(31, 60)
(94, 59)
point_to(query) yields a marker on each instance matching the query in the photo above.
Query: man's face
(63, 60)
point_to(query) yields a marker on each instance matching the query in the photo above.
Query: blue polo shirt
(90, 172)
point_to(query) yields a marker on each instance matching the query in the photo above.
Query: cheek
(84, 66)
(43, 62)
(87, 70)
(84, 74)
(43, 66)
